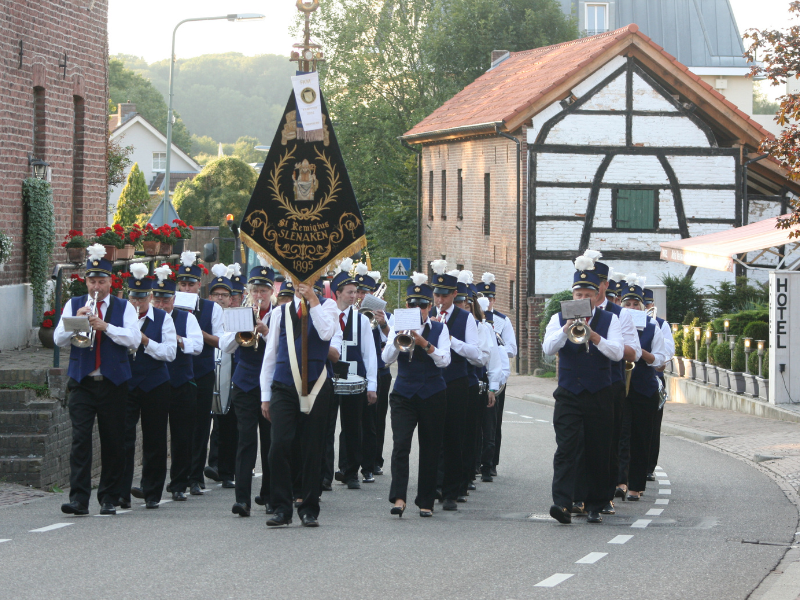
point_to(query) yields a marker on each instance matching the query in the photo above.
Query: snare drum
(352, 385)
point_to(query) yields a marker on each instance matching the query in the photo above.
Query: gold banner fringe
(315, 135)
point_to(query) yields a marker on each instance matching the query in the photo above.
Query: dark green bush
(688, 341)
(678, 337)
(757, 330)
(722, 356)
(552, 307)
(731, 297)
(711, 352)
(740, 320)
(738, 355)
(683, 297)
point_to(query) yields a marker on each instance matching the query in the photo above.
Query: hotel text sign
(784, 336)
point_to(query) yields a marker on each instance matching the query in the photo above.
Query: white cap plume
(361, 269)
(439, 266)
(487, 278)
(163, 272)
(584, 263)
(593, 255)
(419, 278)
(139, 270)
(376, 275)
(96, 251)
(483, 303)
(345, 266)
(219, 270)
(187, 258)
(234, 269)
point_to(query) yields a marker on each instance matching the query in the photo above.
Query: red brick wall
(463, 241)
(48, 29)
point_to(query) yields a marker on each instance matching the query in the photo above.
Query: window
(444, 194)
(430, 196)
(159, 161)
(460, 197)
(596, 18)
(487, 184)
(635, 209)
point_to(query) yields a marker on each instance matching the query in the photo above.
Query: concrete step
(24, 400)
(25, 471)
(22, 445)
(24, 421)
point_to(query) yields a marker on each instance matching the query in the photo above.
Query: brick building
(53, 107)
(622, 147)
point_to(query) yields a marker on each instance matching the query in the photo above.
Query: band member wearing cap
(583, 398)
(286, 292)
(418, 401)
(209, 317)
(463, 347)
(246, 395)
(149, 393)
(98, 385)
(505, 328)
(281, 403)
(642, 399)
(237, 284)
(181, 376)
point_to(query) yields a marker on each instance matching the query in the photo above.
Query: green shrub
(738, 355)
(757, 330)
(688, 341)
(711, 350)
(765, 364)
(678, 338)
(722, 355)
(682, 297)
(731, 297)
(552, 307)
(753, 363)
(740, 320)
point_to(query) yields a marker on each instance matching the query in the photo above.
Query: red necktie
(300, 309)
(341, 320)
(98, 336)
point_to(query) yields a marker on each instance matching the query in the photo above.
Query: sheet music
(639, 318)
(238, 319)
(185, 300)
(407, 318)
(76, 323)
(576, 309)
(373, 303)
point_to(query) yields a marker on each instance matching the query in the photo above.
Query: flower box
(76, 255)
(111, 252)
(151, 248)
(763, 388)
(677, 366)
(165, 249)
(736, 380)
(688, 368)
(178, 246)
(699, 368)
(126, 252)
(750, 385)
(712, 375)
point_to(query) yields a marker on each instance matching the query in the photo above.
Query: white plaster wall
(589, 130)
(567, 167)
(558, 235)
(635, 169)
(611, 97)
(762, 209)
(627, 240)
(540, 119)
(15, 329)
(667, 132)
(704, 169)
(602, 211)
(709, 204)
(561, 201)
(696, 229)
(667, 216)
(595, 78)
(647, 98)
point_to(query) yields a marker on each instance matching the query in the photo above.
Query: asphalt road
(500, 545)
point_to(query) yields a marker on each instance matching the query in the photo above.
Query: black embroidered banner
(303, 214)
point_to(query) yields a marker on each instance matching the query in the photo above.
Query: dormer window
(159, 161)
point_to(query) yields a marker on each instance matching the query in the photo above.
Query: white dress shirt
(368, 352)
(217, 320)
(193, 341)
(486, 339)
(468, 347)
(659, 349)
(323, 321)
(167, 348)
(441, 351)
(629, 333)
(497, 367)
(669, 341)
(506, 331)
(612, 346)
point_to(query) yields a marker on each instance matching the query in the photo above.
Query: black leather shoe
(651, 477)
(449, 505)
(279, 519)
(169, 488)
(487, 478)
(471, 487)
(124, 503)
(353, 485)
(461, 499)
(368, 478)
(260, 501)
(438, 494)
(493, 472)
(228, 484)
(178, 497)
(594, 517)
(326, 485)
(211, 473)
(378, 471)
(195, 490)
(241, 509)
(137, 492)
(560, 514)
(608, 509)
(269, 509)
(309, 521)
(298, 502)
(105, 509)
(577, 509)
(339, 476)
(151, 504)
(74, 508)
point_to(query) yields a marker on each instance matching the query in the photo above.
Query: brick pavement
(11, 493)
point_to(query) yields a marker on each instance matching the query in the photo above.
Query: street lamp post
(708, 345)
(747, 342)
(760, 344)
(697, 332)
(232, 18)
(732, 342)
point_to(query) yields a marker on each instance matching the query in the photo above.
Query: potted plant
(112, 238)
(763, 382)
(167, 238)
(46, 329)
(180, 233)
(132, 235)
(151, 240)
(75, 244)
(5, 248)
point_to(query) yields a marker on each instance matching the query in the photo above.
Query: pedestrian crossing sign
(399, 268)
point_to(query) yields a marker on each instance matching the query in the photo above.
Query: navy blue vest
(618, 367)
(420, 376)
(204, 362)
(248, 361)
(354, 353)
(317, 349)
(643, 378)
(146, 371)
(579, 370)
(457, 324)
(113, 357)
(181, 370)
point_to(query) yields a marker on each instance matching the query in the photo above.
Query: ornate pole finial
(310, 55)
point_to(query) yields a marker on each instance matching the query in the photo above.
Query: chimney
(126, 111)
(498, 56)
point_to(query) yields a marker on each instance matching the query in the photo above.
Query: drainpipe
(519, 241)
(745, 202)
(419, 202)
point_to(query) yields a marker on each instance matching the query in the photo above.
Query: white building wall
(568, 202)
(611, 97)
(567, 167)
(666, 132)
(636, 169)
(647, 98)
(558, 235)
(589, 130)
(709, 204)
(704, 169)
(15, 329)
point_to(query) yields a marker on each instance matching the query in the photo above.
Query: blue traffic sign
(399, 268)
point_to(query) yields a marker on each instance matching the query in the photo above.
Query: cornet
(652, 312)
(86, 340)
(438, 316)
(367, 312)
(245, 338)
(579, 333)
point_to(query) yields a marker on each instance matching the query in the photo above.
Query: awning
(720, 250)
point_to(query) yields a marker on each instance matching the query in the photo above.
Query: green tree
(682, 298)
(134, 199)
(730, 298)
(126, 86)
(204, 144)
(224, 186)
(244, 148)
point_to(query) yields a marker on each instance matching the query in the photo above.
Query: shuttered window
(635, 209)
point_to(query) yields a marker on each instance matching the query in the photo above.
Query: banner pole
(304, 346)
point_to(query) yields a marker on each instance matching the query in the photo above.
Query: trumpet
(247, 339)
(80, 339)
(579, 333)
(369, 313)
(628, 373)
(438, 316)
(652, 312)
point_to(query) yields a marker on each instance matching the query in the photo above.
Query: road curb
(687, 432)
(539, 399)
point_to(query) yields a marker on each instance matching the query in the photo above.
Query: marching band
(274, 366)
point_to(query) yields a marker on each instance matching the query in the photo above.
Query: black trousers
(329, 450)
(153, 409)
(253, 429)
(655, 441)
(381, 409)
(488, 429)
(453, 436)
(595, 413)
(202, 427)
(351, 412)
(642, 410)
(624, 454)
(228, 443)
(181, 427)
(428, 416)
(498, 434)
(368, 440)
(102, 399)
(287, 423)
(468, 442)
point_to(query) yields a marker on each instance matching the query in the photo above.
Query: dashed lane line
(50, 527)
(1, 541)
(664, 482)
(662, 500)
(620, 539)
(654, 512)
(542, 421)
(591, 558)
(661, 474)
(641, 523)
(119, 512)
(664, 492)
(160, 503)
(526, 417)
(508, 412)
(554, 580)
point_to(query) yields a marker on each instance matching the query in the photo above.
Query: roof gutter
(478, 128)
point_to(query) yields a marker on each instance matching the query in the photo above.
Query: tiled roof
(174, 179)
(516, 83)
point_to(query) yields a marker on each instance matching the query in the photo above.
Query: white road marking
(641, 523)
(508, 412)
(665, 492)
(654, 512)
(526, 417)
(661, 474)
(620, 539)
(591, 558)
(1, 541)
(50, 527)
(554, 580)
(658, 468)
(664, 482)
(119, 512)
(160, 503)
(542, 421)
(662, 500)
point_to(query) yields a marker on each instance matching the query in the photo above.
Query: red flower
(190, 227)
(118, 227)
(47, 323)
(177, 233)
(49, 313)
(203, 269)
(63, 244)
(125, 275)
